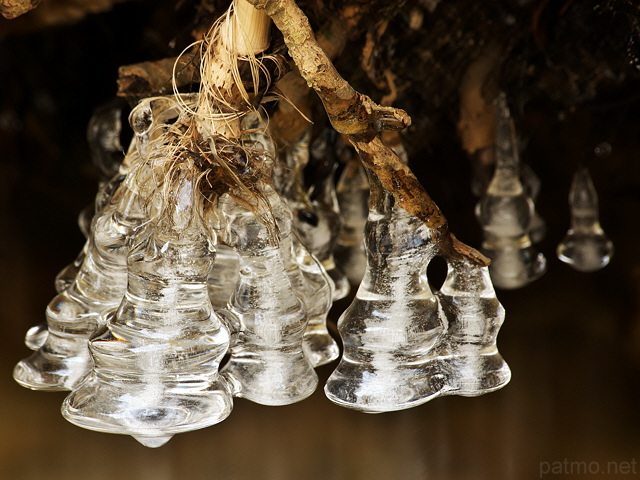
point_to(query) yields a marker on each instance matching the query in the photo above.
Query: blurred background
(572, 340)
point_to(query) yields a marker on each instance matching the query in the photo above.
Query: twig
(14, 8)
(154, 78)
(356, 115)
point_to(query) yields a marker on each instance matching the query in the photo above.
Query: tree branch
(356, 115)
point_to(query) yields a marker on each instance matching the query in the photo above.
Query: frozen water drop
(36, 336)
(152, 442)
(392, 324)
(506, 213)
(585, 247)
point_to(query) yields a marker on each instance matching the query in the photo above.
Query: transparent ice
(156, 361)
(103, 135)
(352, 193)
(62, 357)
(267, 363)
(531, 184)
(468, 358)
(585, 247)
(307, 273)
(316, 291)
(310, 281)
(321, 237)
(316, 221)
(75, 313)
(392, 324)
(223, 276)
(505, 213)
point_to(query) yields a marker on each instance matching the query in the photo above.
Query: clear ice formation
(310, 281)
(136, 337)
(392, 324)
(467, 355)
(62, 356)
(308, 278)
(314, 286)
(531, 184)
(321, 239)
(223, 276)
(267, 364)
(36, 336)
(317, 221)
(76, 312)
(505, 212)
(352, 193)
(307, 273)
(156, 361)
(585, 247)
(103, 135)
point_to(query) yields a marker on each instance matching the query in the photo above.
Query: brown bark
(14, 8)
(350, 112)
(290, 121)
(49, 12)
(356, 115)
(154, 78)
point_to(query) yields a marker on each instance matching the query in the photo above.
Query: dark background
(572, 340)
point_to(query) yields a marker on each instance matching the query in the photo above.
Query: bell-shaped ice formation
(317, 220)
(321, 235)
(505, 213)
(467, 356)
(75, 313)
(392, 324)
(267, 363)
(106, 189)
(310, 281)
(531, 184)
(156, 361)
(316, 291)
(352, 193)
(106, 153)
(585, 247)
(321, 238)
(308, 275)
(223, 276)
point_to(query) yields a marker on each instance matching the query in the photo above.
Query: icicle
(156, 363)
(223, 276)
(267, 363)
(320, 237)
(75, 313)
(62, 357)
(585, 247)
(316, 291)
(311, 283)
(306, 272)
(352, 193)
(505, 213)
(392, 324)
(531, 185)
(316, 222)
(103, 135)
(468, 358)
